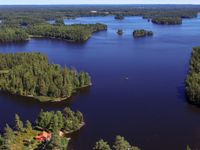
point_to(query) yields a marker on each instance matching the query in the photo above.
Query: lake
(138, 84)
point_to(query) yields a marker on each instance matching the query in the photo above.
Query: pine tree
(19, 123)
(122, 144)
(101, 145)
(1, 141)
(60, 119)
(79, 116)
(9, 138)
(28, 125)
(57, 142)
(44, 119)
(54, 126)
(42, 88)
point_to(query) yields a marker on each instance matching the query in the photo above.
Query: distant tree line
(142, 33)
(193, 78)
(21, 21)
(32, 15)
(171, 13)
(31, 74)
(167, 20)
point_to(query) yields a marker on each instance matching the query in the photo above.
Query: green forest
(31, 15)
(193, 78)
(22, 136)
(31, 74)
(67, 121)
(167, 20)
(75, 33)
(142, 33)
(12, 35)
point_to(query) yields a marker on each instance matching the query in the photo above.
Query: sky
(43, 2)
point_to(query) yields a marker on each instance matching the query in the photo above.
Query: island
(50, 131)
(31, 75)
(119, 17)
(167, 20)
(193, 78)
(142, 33)
(72, 33)
(120, 32)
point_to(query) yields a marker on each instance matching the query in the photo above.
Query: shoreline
(44, 99)
(71, 41)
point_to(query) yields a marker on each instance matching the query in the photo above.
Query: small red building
(44, 136)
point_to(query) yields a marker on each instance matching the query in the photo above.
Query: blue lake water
(138, 84)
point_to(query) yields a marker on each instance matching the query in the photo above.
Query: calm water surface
(138, 84)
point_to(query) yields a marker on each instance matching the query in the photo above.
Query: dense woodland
(142, 33)
(30, 15)
(12, 35)
(19, 21)
(193, 78)
(21, 137)
(167, 20)
(59, 21)
(66, 121)
(31, 74)
(76, 33)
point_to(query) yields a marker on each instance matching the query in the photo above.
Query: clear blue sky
(19, 2)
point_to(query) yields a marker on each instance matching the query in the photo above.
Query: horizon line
(98, 4)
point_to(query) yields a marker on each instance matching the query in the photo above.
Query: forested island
(73, 33)
(167, 20)
(119, 17)
(193, 78)
(47, 132)
(120, 32)
(31, 75)
(142, 33)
